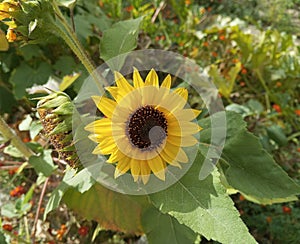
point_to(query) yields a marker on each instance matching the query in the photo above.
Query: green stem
(293, 136)
(26, 228)
(262, 81)
(72, 41)
(80, 52)
(9, 134)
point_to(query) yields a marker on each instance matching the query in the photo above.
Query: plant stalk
(9, 134)
(72, 41)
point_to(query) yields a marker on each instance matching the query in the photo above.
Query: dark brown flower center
(147, 128)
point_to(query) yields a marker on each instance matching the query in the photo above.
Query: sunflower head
(145, 127)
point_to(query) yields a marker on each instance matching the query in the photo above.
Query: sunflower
(144, 127)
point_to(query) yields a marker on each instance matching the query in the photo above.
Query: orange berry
(205, 44)
(11, 172)
(278, 84)
(242, 198)
(277, 108)
(18, 191)
(187, 2)
(222, 37)
(214, 54)
(209, 9)
(26, 139)
(235, 60)
(297, 112)
(286, 210)
(269, 219)
(244, 71)
(129, 8)
(242, 84)
(177, 34)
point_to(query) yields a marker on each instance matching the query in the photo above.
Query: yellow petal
(105, 150)
(149, 95)
(182, 141)
(114, 91)
(167, 82)
(116, 156)
(107, 143)
(158, 167)
(152, 79)
(169, 159)
(135, 169)
(145, 171)
(185, 128)
(137, 79)
(105, 105)
(171, 151)
(122, 83)
(172, 102)
(100, 124)
(186, 114)
(122, 167)
(182, 92)
(181, 156)
(98, 138)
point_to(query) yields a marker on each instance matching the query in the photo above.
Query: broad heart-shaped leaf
(247, 167)
(203, 206)
(163, 228)
(112, 210)
(24, 77)
(119, 39)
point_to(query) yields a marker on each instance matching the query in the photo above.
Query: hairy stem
(69, 36)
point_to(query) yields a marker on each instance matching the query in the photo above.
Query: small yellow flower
(145, 126)
(11, 35)
(6, 7)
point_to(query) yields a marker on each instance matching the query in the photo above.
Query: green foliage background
(251, 55)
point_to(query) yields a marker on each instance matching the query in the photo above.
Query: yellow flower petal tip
(145, 126)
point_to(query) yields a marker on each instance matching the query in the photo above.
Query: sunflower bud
(55, 112)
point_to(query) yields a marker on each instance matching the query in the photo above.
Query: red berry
(7, 227)
(83, 230)
(286, 210)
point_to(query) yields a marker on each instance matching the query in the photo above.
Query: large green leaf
(163, 228)
(119, 39)
(7, 100)
(82, 181)
(24, 77)
(203, 206)
(112, 210)
(43, 163)
(246, 165)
